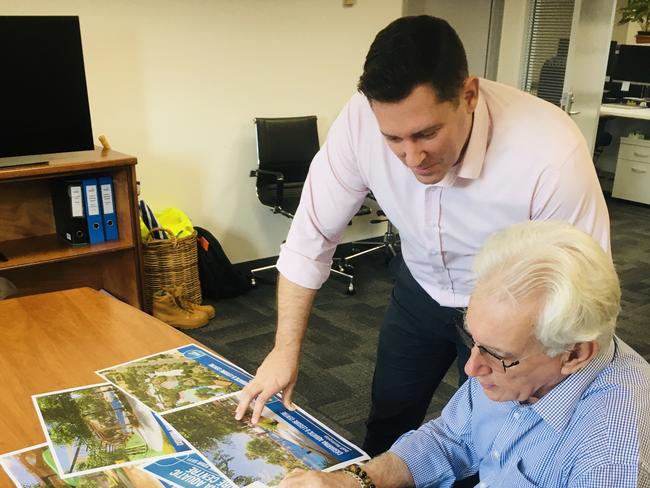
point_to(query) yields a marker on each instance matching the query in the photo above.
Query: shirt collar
(557, 406)
(472, 162)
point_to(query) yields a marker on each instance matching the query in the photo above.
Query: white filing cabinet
(632, 178)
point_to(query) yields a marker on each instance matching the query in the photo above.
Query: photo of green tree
(264, 452)
(34, 467)
(99, 427)
(169, 380)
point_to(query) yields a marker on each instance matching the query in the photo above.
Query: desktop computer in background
(631, 68)
(624, 124)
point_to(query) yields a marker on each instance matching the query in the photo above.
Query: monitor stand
(21, 160)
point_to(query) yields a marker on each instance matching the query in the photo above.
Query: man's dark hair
(409, 52)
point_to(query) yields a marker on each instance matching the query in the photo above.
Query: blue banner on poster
(219, 366)
(172, 437)
(189, 471)
(336, 446)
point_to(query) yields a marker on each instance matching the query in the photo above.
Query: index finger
(260, 402)
(246, 396)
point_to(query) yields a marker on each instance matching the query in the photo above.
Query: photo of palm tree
(98, 427)
(34, 467)
(169, 380)
(264, 452)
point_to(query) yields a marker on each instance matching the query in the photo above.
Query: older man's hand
(317, 479)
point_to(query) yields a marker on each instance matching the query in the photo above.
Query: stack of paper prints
(176, 378)
(34, 466)
(167, 420)
(189, 471)
(281, 441)
(96, 427)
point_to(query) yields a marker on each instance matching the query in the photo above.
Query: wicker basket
(170, 262)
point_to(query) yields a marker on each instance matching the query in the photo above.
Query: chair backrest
(286, 144)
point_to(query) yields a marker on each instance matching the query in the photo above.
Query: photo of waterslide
(173, 379)
(96, 427)
(246, 453)
(34, 467)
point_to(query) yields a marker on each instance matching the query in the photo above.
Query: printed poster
(97, 427)
(281, 441)
(34, 466)
(188, 471)
(177, 378)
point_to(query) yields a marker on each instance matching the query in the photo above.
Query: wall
(178, 83)
(512, 47)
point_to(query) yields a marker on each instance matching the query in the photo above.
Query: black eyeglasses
(468, 340)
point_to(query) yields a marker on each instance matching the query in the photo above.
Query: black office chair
(603, 138)
(551, 75)
(285, 148)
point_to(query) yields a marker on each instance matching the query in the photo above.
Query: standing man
(451, 159)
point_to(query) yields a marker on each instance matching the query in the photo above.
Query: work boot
(166, 308)
(177, 293)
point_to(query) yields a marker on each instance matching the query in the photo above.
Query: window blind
(547, 47)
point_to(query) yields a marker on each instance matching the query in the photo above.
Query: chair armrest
(279, 190)
(279, 176)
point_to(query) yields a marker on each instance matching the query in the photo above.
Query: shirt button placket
(433, 195)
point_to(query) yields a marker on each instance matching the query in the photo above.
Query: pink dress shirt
(525, 160)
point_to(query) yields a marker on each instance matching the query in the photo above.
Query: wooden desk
(57, 340)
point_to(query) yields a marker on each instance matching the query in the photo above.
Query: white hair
(564, 268)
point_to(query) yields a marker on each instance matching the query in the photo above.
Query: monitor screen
(43, 96)
(633, 64)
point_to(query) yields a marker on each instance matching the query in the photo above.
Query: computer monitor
(43, 96)
(633, 64)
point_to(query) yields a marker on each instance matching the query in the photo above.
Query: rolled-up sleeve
(333, 192)
(441, 451)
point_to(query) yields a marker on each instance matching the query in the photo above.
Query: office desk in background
(620, 122)
(56, 341)
(617, 110)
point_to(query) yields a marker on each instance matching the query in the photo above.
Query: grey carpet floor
(339, 349)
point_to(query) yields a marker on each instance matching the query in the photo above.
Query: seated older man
(554, 399)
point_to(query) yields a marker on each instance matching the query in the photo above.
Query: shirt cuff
(302, 270)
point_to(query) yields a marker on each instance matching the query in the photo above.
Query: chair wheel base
(346, 268)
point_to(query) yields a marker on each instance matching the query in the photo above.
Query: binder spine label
(93, 202)
(76, 199)
(107, 199)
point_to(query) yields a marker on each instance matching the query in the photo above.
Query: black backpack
(219, 278)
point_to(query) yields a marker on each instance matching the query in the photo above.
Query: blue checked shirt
(590, 431)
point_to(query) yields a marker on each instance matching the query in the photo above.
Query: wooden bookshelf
(38, 260)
